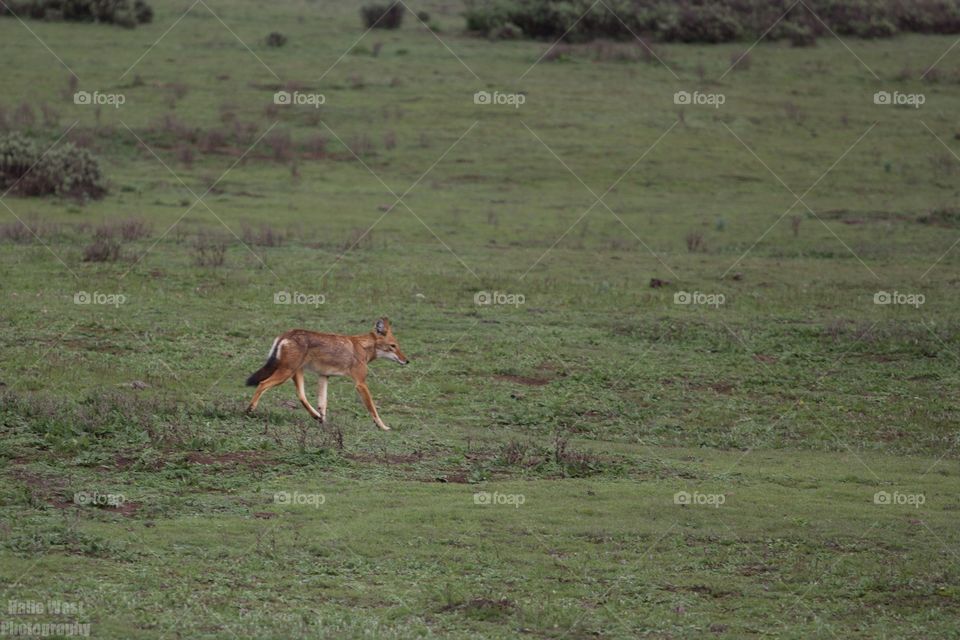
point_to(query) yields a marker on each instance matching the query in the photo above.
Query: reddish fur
(327, 354)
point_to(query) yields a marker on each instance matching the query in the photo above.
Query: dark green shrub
(706, 23)
(927, 16)
(65, 171)
(120, 12)
(484, 17)
(799, 34)
(142, 12)
(710, 20)
(102, 249)
(382, 16)
(276, 39)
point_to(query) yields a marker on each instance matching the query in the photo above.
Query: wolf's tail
(266, 370)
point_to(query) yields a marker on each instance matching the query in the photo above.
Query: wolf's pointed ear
(382, 326)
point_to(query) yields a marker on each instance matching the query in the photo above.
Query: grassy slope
(839, 397)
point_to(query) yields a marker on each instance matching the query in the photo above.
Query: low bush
(710, 21)
(65, 170)
(209, 250)
(102, 249)
(382, 16)
(123, 13)
(276, 39)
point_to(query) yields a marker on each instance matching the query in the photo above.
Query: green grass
(597, 399)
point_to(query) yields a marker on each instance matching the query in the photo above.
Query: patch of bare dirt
(502, 605)
(456, 477)
(42, 486)
(53, 490)
(246, 458)
(388, 458)
(128, 508)
(528, 381)
(701, 589)
(755, 569)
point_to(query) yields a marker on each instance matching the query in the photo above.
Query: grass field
(586, 457)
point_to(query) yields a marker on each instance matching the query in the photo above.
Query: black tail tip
(263, 372)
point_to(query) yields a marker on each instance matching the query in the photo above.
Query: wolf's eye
(393, 346)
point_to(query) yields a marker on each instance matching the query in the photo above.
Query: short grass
(593, 399)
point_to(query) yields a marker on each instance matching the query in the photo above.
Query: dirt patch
(484, 605)
(44, 487)
(54, 491)
(126, 509)
(701, 589)
(389, 458)
(723, 388)
(122, 463)
(455, 477)
(250, 459)
(528, 381)
(80, 344)
(755, 569)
